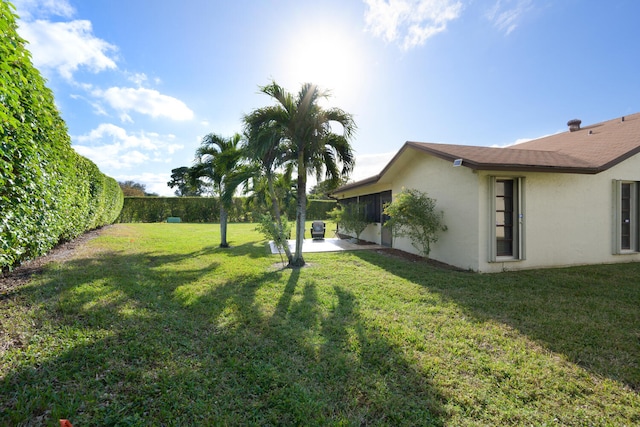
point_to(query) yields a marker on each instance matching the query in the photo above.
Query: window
(507, 219)
(625, 216)
(371, 203)
(346, 202)
(504, 217)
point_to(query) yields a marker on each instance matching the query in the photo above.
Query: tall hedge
(48, 192)
(188, 209)
(203, 209)
(319, 209)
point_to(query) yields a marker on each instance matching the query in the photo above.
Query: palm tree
(265, 149)
(304, 137)
(219, 160)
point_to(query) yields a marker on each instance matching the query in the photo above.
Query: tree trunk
(223, 227)
(276, 212)
(301, 213)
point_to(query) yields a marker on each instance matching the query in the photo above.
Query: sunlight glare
(327, 57)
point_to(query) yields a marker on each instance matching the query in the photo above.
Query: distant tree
(413, 214)
(187, 184)
(303, 135)
(322, 189)
(132, 189)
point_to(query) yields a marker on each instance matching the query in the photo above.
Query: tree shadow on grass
(122, 339)
(589, 314)
(252, 250)
(95, 322)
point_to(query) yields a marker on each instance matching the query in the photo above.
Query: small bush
(272, 231)
(413, 215)
(351, 217)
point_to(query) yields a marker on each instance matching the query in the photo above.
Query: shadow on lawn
(123, 339)
(589, 313)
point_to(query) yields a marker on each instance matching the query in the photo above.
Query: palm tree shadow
(298, 353)
(118, 339)
(223, 355)
(254, 250)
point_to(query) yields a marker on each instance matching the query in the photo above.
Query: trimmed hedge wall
(158, 209)
(48, 192)
(319, 209)
(202, 209)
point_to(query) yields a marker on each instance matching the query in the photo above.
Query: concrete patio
(326, 245)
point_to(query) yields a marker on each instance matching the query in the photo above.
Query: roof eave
(373, 179)
(584, 170)
(620, 159)
(357, 184)
(532, 168)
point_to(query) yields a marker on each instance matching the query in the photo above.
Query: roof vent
(574, 124)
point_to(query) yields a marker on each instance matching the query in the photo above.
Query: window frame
(518, 219)
(371, 203)
(633, 217)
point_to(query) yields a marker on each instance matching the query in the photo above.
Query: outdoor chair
(317, 230)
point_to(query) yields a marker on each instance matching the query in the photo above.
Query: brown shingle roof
(590, 150)
(602, 145)
(485, 158)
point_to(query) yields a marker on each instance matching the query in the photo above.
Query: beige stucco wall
(456, 194)
(568, 218)
(455, 190)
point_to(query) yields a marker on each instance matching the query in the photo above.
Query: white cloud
(112, 147)
(368, 165)
(410, 22)
(153, 182)
(97, 108)
(523, 140)
(28, 9)
(138, 78)
(141, 78)
(144, 101)
(506, 14)
(67, 46)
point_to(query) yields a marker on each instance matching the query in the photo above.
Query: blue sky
(140, 82)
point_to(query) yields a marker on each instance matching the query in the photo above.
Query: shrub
(272, 231)
(351, 217)
(413, 215)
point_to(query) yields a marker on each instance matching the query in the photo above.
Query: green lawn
(153, 324)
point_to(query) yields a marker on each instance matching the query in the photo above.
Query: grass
(153, 324)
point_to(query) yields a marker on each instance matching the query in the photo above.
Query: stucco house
(568, 199)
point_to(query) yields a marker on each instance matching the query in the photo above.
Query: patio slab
(326, 245)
